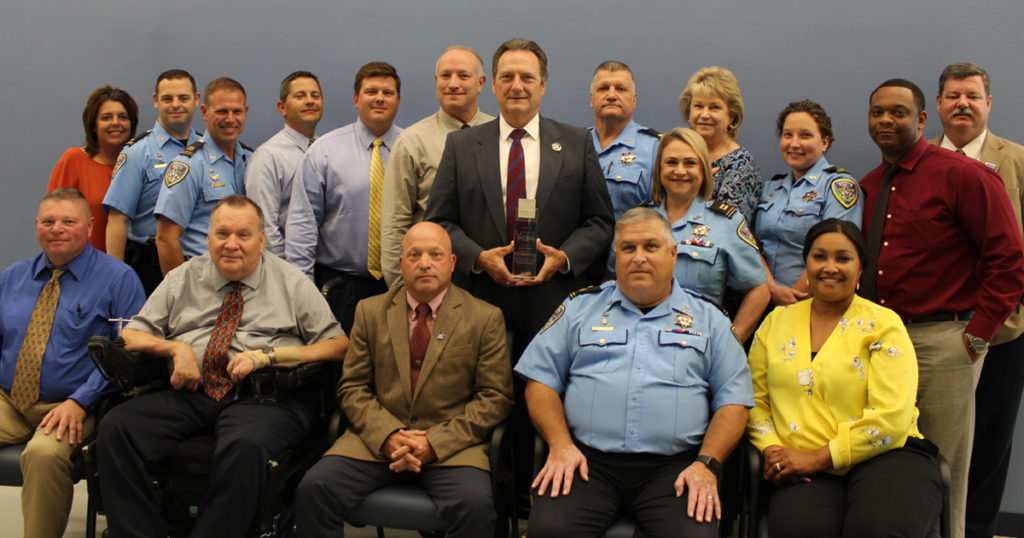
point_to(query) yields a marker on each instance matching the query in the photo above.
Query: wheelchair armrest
(271, 384)
(336, 425)
(133, 372)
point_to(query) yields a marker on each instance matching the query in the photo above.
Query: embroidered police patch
(846, 191)
(554, 317)
(744, 232)
(120, 162)
(175, 173)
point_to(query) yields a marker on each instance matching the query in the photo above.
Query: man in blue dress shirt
(331, 216)
(94, 291)
(268, 175)
(131, 224)
(640, 389)
(625, 149)
(207, 171)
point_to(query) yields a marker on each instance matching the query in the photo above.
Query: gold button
(618, 177)
(694, 254)
(683, 342)
(601, 341)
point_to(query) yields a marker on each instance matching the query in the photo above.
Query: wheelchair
(182, 478)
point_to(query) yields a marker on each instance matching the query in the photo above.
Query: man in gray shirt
(217, 317)
(268, 176)
(459, 78)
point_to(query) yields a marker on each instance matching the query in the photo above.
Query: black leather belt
(963, 315)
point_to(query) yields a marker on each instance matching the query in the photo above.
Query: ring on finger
(778, 467)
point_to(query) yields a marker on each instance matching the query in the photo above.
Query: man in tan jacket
(426, 378)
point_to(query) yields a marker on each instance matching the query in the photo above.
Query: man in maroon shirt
(945, 253)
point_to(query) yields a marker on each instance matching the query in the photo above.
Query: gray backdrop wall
(53, 53)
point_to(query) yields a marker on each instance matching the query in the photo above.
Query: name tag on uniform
(160, 165)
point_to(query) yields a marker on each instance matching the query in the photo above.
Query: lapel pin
(440, 336)
(556, 146)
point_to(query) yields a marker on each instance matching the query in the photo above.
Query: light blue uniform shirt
(96, 289)
(137, 177)
(627, 165)
(714, 250)
(634, 382)
(268, 181)
(194, 185)
(329, 214)
(788, 209)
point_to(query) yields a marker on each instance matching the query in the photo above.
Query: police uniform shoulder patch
(193, 148)
(744, 232)
(650, 131)
(846, 191)
(588, 289)
(137, 138)
(175, 172)
(120, 162)
(723, 208)
(554, 317)
(245, 146)
(837, 170)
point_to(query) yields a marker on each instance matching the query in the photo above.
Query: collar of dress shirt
(532, 128)
(972, 149)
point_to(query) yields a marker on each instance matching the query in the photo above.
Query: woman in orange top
(110, 118)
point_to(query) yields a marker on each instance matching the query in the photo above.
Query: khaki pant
(945, 398)
(45, 465)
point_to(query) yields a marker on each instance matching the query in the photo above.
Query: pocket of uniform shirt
(680, 352)
(698, 252)
(213, 194)
(625, 174)
(805, 209)
(597, 346)
(154, 174)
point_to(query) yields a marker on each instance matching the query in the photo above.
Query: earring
(808, 281)
(858, 286)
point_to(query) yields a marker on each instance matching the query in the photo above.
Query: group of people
(656, 259)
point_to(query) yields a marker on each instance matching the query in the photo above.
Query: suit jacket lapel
(444, 327)
(398, 327)
(992, 151)
(489, 172)
(550, 162)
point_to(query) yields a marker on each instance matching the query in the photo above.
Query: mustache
(964, 110)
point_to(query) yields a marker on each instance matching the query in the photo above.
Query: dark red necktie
(418, 342)
(216, 382)
(515, 183)
(869, 278)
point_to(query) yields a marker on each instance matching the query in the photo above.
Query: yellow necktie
(376, 190)
(25, 388)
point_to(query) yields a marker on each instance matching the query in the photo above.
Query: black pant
(641, 485)
(143, 258)
(996, 401)
(146, 430)
(344, 297)
(898, 493)
(336, 485)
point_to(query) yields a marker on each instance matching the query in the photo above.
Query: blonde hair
(717, 82)
(699, 146)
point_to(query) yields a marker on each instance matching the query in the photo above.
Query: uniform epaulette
(588, 289)
(647, 203)
(651, 131)
(193, 148)
(137, 138)
(837, 170)
(245, 146)
(778, 176)
(723, 208)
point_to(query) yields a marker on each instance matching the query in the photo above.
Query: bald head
(426, 261)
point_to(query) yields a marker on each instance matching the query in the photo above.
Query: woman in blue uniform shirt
(714, 246)
(811, 192)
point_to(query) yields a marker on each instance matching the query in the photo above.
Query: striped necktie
(376, 192)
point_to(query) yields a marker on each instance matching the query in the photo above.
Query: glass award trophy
(524, 253)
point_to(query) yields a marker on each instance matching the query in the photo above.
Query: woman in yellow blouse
(835, 380)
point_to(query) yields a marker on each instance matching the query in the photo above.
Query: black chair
(408, 507)
(754, 524)
(184, 476)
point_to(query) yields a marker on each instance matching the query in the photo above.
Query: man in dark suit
(426, 380)
(964, 102)
(538, 161)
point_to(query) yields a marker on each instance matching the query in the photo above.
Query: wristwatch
(271, 355)
(712, 464)
(978, 345)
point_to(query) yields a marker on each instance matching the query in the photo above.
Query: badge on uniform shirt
(810, 196)
(701, 230)
(554, 317)
(684, 320)
(744, 232)
(556, 146)
(627, 158)
(175, 173)
(120, 162)
(846, 191)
